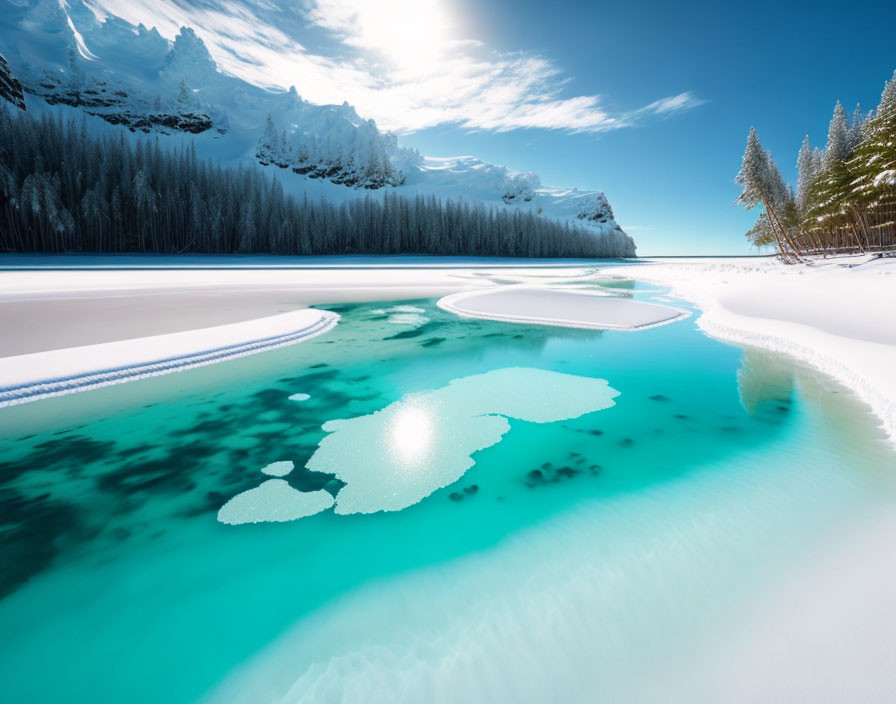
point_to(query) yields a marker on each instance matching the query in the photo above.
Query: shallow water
(580, 559)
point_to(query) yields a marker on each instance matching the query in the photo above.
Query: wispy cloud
(406, 63)
(675, 104)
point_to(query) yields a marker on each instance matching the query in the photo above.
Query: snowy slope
(73, 58)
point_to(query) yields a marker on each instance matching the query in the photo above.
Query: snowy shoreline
(835, 314)
(30, 377)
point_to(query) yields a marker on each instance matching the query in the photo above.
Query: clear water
(646, 531)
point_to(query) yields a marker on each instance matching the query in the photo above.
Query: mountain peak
(189, 59)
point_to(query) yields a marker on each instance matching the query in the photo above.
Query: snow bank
(29, 377)
(567, 307)
(835, 314)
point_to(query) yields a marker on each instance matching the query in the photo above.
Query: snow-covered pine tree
(761, 182)
(266, 151)
(888, 96)
(855, 128)
(871, 187)
(183, 94)
(108, 194)
(837, 150)
(752, 173)
(806, 170)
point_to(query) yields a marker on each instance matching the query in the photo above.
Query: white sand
(836, 314)
(574, 308)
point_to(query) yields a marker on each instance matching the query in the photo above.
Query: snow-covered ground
(28, 377)
(82, 327)
(836, 314)
(56, 309)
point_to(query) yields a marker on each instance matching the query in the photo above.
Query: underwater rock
(534, 477)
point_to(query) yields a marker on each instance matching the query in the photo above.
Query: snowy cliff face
(139, 86)
(333, 143)
(10, 88)
(72, 58)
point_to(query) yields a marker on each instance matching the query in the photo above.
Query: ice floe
(560, 306)
(275, 500)
(395, 457)
(278, 469)
(403, 315)
(299, 397)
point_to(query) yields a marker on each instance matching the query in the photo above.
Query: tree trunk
(775, 225)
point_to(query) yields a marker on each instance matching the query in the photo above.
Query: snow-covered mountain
(67, 57)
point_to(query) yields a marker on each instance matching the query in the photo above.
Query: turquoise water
(575, 560)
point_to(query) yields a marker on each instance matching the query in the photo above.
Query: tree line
(64, 190)
(846, 193)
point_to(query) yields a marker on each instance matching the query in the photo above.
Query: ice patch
(397, 456)
(275, 500)
(299, 397)
(407, 319)
(403, 315)
(398, 309)
(278, 469)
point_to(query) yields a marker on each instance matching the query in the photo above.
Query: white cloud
(403, 62)
(674, 104)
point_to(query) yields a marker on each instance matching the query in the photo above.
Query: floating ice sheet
(395, 457)
(561, 306)
(399, 309)
(274, 500)
(278, 469)
(403, 315)
(414, 319)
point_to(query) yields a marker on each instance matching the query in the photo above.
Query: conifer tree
(64, 190)
(761, 182)
(183, 93)
(888, 97)
(855, 128)
(837, 149)
(806, 168)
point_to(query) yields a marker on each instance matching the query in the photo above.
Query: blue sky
(650, 102)
(778, 66)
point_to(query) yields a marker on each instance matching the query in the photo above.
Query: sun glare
(411, 33)
(410, 433)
